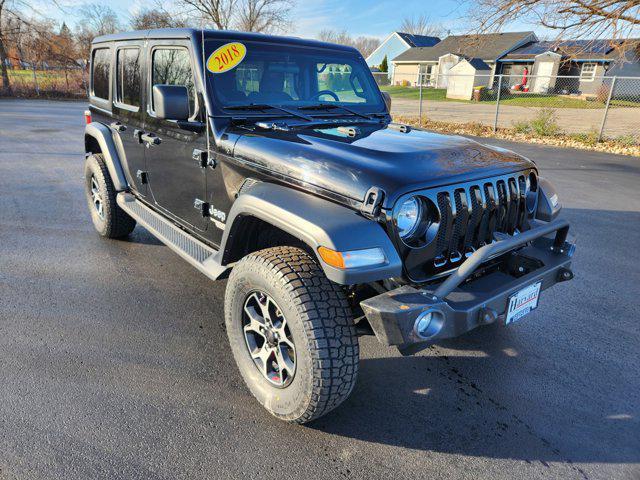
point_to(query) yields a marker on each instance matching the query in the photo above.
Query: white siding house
(394, 45)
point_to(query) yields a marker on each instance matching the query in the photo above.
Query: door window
(172, 66)
(101, 73)
(128, 77)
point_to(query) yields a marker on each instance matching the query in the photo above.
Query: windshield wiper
(265, 106)
(332, 106)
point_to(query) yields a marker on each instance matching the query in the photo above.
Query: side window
(172, 66)
(588, 72)
(128, 76)
(101, 73)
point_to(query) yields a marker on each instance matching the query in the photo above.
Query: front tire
(291, 333)
(107, 216)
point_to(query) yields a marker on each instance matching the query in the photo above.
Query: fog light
(428, 324)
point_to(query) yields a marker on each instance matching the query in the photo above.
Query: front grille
(470, 215)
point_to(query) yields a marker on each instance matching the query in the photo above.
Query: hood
(378, 155)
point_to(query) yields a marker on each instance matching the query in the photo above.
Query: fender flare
(102, 134)
(548, 204)
(316, 222)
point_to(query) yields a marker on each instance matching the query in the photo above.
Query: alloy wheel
(96, 197)
(268, 339)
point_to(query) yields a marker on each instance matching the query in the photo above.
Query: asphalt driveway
(114, 361)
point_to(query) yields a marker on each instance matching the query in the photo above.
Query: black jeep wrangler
(274, 162)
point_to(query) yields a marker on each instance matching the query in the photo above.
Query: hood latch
(372, 202)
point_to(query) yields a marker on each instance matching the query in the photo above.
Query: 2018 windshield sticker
(226, 57)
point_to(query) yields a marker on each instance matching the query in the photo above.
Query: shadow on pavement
(557, 388)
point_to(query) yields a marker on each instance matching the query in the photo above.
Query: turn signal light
(368, 257)
(87, 117)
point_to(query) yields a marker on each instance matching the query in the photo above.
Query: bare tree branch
(366, 45)
(421, 25)
(617, 20)
(219, 14)
(156, 17)
(265, 16)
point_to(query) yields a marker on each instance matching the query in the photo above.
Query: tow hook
(488, 316)
(564, 274)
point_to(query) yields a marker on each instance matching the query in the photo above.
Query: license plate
(522, 302)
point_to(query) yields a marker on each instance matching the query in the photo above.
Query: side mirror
(171, 102)
(387, 100)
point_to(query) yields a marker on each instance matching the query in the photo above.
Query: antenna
(204, 85)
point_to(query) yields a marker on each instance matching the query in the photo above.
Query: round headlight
(408, 217)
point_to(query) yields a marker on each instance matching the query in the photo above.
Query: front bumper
(470, 296)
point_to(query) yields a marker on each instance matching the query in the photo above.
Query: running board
(201, 256)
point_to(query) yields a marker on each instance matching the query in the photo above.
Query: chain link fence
(588, 107)
(46, 83)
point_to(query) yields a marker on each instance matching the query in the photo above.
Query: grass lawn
(549, 101)
(45, 75)
(49, 81)
(409, 93)
(521, 100)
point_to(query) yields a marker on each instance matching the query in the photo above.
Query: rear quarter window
(101, 73)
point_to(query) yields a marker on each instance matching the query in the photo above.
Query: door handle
(118, 127)
(150, 138)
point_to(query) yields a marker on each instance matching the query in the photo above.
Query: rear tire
(108, 218)
(312, 334)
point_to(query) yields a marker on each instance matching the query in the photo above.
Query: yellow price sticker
(226, 57)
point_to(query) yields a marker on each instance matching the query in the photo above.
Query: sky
(371, 18)
(359, 17)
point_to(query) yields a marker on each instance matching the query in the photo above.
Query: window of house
(172, 66)
(588, 71)
(128, 76)
(101, 73)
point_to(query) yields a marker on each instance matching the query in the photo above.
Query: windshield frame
(364, 108)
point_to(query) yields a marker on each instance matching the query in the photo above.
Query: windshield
(256, 73)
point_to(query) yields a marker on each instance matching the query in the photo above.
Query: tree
(156, 17)
(574, 19)
(366, 45)
(248, 15)
(384, 66)
(264, 15)
(34, 46)
(99, 18)
(9, 21)
(95, 20)
(65, 31)
(421, 25)
(218, 13)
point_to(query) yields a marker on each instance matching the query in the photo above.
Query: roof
(418, 40)
(409, 39)
(601, 49)
(195, 34)
(490, 46)
(478, 64)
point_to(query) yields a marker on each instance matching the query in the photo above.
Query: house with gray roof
(431, 65)
(395, 44)
(586, 61)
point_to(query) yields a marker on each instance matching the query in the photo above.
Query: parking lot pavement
(114, 360)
